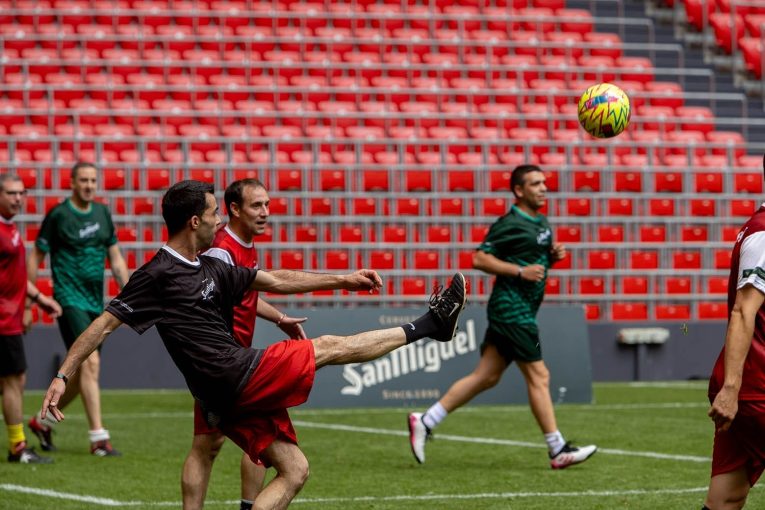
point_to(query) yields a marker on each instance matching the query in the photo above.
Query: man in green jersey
(518, 250)
(79, 235)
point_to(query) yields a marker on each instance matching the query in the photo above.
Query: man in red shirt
(247, 204)
(14, 320)
(737, 385)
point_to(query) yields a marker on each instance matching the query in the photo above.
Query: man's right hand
(52, 398)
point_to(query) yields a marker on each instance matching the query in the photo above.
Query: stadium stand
(386, 131)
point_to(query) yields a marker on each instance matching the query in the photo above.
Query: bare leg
(197, 469)
(13, 398)
(291, 474)
(339, 350)
(90, 391)
(252, 478)
(728, 491)
(486, 375)
(538, 385)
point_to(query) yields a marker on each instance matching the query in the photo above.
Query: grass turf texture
(368, 465)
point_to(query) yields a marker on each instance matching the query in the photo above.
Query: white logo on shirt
(544, 237)
(89, 230)
(209, 288)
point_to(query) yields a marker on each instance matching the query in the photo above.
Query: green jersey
(524, 240)
(77, 242)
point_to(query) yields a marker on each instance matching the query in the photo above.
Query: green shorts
(73, 322)
(515, 343)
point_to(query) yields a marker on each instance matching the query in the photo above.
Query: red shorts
(741, 446)
(282, 379)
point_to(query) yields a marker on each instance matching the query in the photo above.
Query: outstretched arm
(86, 343)
(296, 282)
(738, 339)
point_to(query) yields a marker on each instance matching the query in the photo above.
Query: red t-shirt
(231, 249)
(747, 268)
(13, 273)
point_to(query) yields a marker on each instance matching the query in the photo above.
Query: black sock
(245, 505)
(423, 327)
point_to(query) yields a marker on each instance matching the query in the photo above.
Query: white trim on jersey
(180, 257)
(237, 238)
(220, 254)
(752, 260)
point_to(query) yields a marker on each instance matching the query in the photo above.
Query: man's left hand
(558, 252)
(292, 327)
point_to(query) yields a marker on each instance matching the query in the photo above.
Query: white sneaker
(570, 455)
(418, 434)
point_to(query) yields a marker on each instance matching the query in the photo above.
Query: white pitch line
(519, 408)
(358, 499)
(488, 440)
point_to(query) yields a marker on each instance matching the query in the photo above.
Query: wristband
(37, 296)
(520, 273)
(280, 319)
(62, 377)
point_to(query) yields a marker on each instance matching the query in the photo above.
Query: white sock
(98, 435)
(555, 442)
(434, 415)
(48, 421)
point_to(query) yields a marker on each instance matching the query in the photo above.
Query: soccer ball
(604, 110)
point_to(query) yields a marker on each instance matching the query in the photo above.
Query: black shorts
(514, 343)
(12, 358)
(73, 322)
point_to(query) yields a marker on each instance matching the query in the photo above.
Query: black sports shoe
(104, 449)
(24, 455)
(43, 433)
(447, 307)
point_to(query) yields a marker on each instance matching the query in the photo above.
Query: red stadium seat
(702, 207)
(611, 233)
(635, 285)
(722, 259)
(698, 233)
(620, 207)
(740, 207)
(631, 182)
(644, 260)
(579, 206)
(673, 312)
(717, 285)
(686, 260)
(671, 182)
(678, 285)
(601, 259)
(591, 285)
(568, 234)
(661, 207)
(629, 311)
(426, 259)
(707, 310)
(747, 183)
(653, 234)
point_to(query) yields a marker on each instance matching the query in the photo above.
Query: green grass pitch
(655, 442)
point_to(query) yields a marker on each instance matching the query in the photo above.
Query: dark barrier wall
(413, 375)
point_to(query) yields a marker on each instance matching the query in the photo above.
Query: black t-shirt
(191, 303)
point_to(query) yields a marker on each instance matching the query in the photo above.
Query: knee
(298, 474)
(215, 447)
(734, 500)
(91, 366)
(540, 378)
(490, 380)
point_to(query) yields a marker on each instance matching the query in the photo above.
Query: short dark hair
(8, 176)
(519, 173)
(182, 201)
(233, 194)
(78, 165)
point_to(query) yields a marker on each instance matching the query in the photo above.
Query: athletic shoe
(418, 434)
(103, 449)
(570, 455)
(447, 307)
(44, 433)
(24, 455)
